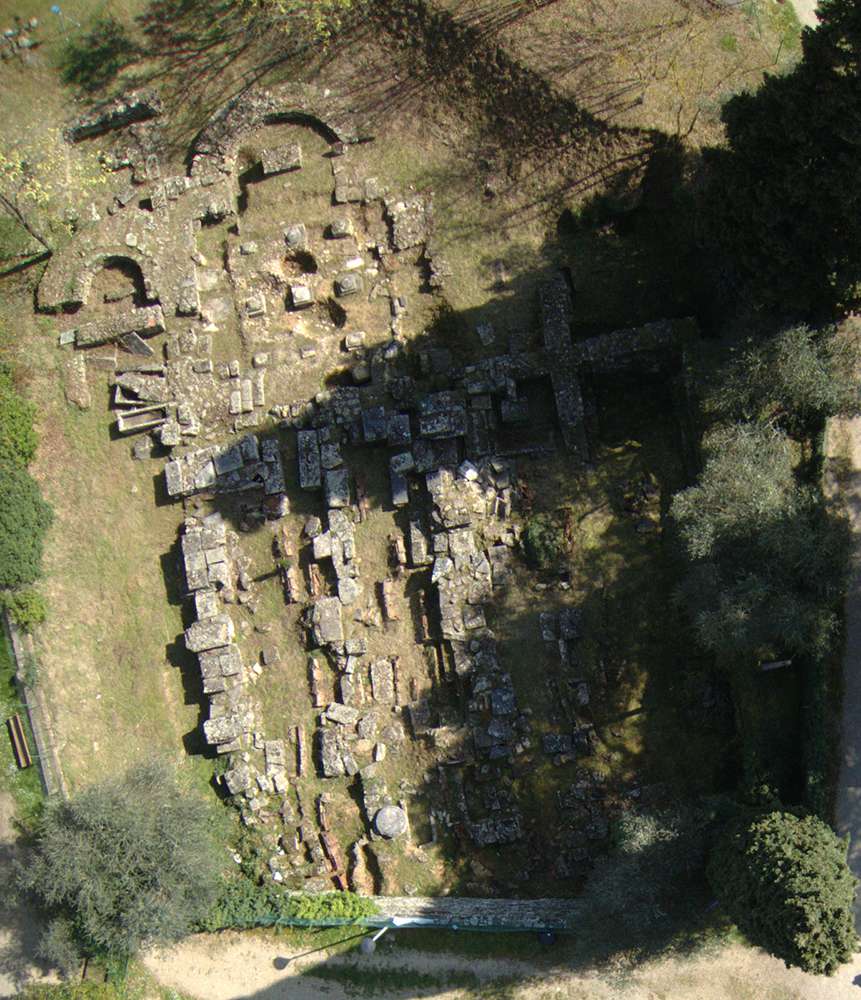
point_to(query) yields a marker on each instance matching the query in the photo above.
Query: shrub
(243, 903)
(331, 906)
(24, 519)
(87, 990)
(27, 608)
(543, 541)
(658, 859)
(784, 880)
(17, 436)
(59, 948)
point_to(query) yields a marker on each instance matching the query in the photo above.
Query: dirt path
(806, 11)
(19, 931)
(241, 967)
(843, 478)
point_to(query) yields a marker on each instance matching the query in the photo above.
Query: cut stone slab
(337, 488)
(344, 715)
(209, 634)
(340, 229)
(348, 284)
(326, 621)
(309, 460)
(301, 296)
(295, 236)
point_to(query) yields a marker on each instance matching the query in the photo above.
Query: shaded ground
(19, 930)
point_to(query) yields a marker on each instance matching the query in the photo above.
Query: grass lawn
(115, 678)
(25, 785)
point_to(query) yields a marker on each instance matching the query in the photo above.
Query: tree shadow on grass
(92, 61)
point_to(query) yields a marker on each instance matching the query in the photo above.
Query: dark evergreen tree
(784, 880)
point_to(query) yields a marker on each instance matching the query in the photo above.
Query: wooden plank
(19, 741)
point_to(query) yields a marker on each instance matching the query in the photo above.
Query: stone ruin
(222, 428)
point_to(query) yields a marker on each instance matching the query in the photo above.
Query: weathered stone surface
(410, 221)
(344, 715)
(383, 682)
(219, 142)
(135, 106)
(348, 283)
(556, 313)
(209, 634)
(442, 415)
(337, 487)
(329, 746)
(309, 460)
(391, 822)
(326, 621)
(280, 158)
(222, 729)
(146, 321)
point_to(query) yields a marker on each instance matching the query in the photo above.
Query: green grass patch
(24, 784)
(776, 21)
(375, 982)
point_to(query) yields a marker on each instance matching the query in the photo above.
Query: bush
(784, 880)
(657, 864)
(59, 948)
(17, 436)
(544, 541)
(242, 903)
(27, 608)
(128, 862)
(24, 519)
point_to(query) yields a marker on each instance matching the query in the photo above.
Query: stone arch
(69, 276)
(217, 145)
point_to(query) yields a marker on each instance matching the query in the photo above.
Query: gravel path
(241, 967)
(806, 11)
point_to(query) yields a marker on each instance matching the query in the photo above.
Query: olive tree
(766, 557)
(125, 863)
(795, 379)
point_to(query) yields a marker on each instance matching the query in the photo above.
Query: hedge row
(242, 903)
(24, 515)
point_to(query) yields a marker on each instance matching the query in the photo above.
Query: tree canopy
(785, 194)
(796, 379)
(764, 552)
(125, 863)
(784, 880)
